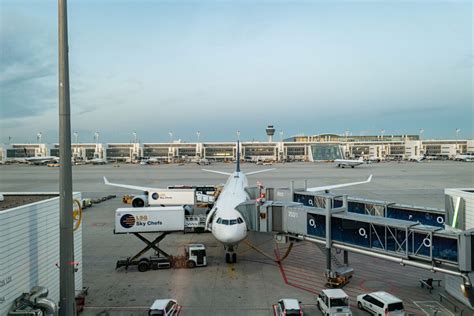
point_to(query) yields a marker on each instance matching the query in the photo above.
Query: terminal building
(322, 147)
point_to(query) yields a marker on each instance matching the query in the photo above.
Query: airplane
(466, 158)
(38, 160)
(96, 161)
(416, 158)
(224, 221)
(349, 162)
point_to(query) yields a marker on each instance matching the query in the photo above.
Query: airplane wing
(219, 172)
(336, 186)
(127, 186)
(258, 171)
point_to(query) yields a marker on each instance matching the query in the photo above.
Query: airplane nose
(233, 234)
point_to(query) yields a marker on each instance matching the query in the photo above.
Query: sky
(307, 67)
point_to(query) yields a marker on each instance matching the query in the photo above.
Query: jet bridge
(423, 215)
(403, 241)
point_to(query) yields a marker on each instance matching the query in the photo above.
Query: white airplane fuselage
(227, 224)
(348, 162)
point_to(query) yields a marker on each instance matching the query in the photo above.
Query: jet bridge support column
(328, 236)
(345, 205)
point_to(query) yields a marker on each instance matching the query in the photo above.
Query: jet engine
(140, 201)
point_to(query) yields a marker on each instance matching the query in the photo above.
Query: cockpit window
(239, 220)
(219, 220)
(225, 222)
(233, 221)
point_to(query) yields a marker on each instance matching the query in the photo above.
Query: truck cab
(195, 255)
(334, 302)
(164, 307)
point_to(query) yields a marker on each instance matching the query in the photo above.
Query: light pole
(171, 136)
(458, 130)
(96, 137)
(76, 134)
(134, 134)
(38, 137)
(198, 133)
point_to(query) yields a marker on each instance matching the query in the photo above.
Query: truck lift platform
(147, 263)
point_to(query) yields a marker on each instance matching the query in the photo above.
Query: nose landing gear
(230, 255)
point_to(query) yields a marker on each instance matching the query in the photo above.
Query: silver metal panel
(29, 244)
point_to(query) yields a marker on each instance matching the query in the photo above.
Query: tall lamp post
(171, 136)
(458, 130)
(66, 233)
(198, 133)
(38, 137)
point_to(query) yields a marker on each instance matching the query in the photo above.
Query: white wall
(453, 284)
(29, 250)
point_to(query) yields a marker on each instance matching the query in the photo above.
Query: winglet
(106, 181)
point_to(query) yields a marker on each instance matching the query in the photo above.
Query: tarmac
(256, 282)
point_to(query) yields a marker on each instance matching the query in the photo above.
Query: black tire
(143, 266)
(352, 166)
(234, 257)
(359, 305)
(191, 264)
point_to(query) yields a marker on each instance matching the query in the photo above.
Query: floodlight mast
(66, 241)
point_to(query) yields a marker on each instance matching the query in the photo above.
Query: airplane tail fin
(238, 157)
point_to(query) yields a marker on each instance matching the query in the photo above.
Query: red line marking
(277, 255)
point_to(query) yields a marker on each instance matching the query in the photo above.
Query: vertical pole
(346, 258)
(66, 253)
(305, 184)
(292, 190)
(345, 204)
(328, 235)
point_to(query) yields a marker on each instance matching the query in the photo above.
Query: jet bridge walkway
(403, 241)
(424, 215)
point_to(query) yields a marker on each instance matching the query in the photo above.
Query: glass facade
(326, 152)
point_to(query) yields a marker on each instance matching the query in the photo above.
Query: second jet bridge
(402, 241)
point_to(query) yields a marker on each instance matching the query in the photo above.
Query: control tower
(270, 132)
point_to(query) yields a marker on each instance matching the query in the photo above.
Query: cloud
(27, 67)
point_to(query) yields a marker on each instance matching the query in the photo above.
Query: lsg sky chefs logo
(127, 220)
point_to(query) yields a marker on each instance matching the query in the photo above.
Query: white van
(381, 304)
(334, 302)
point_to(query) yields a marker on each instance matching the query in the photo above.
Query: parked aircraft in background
(38, 160)
(467, 157)
(416, 158)
(349, 162)
(96, 161)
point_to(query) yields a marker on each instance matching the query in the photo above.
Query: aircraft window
(239, 220)
(233, 221)
(225, 222)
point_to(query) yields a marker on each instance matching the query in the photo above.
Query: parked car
(334, 302)
(288, 306)
(381, 303)
(164, 307)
